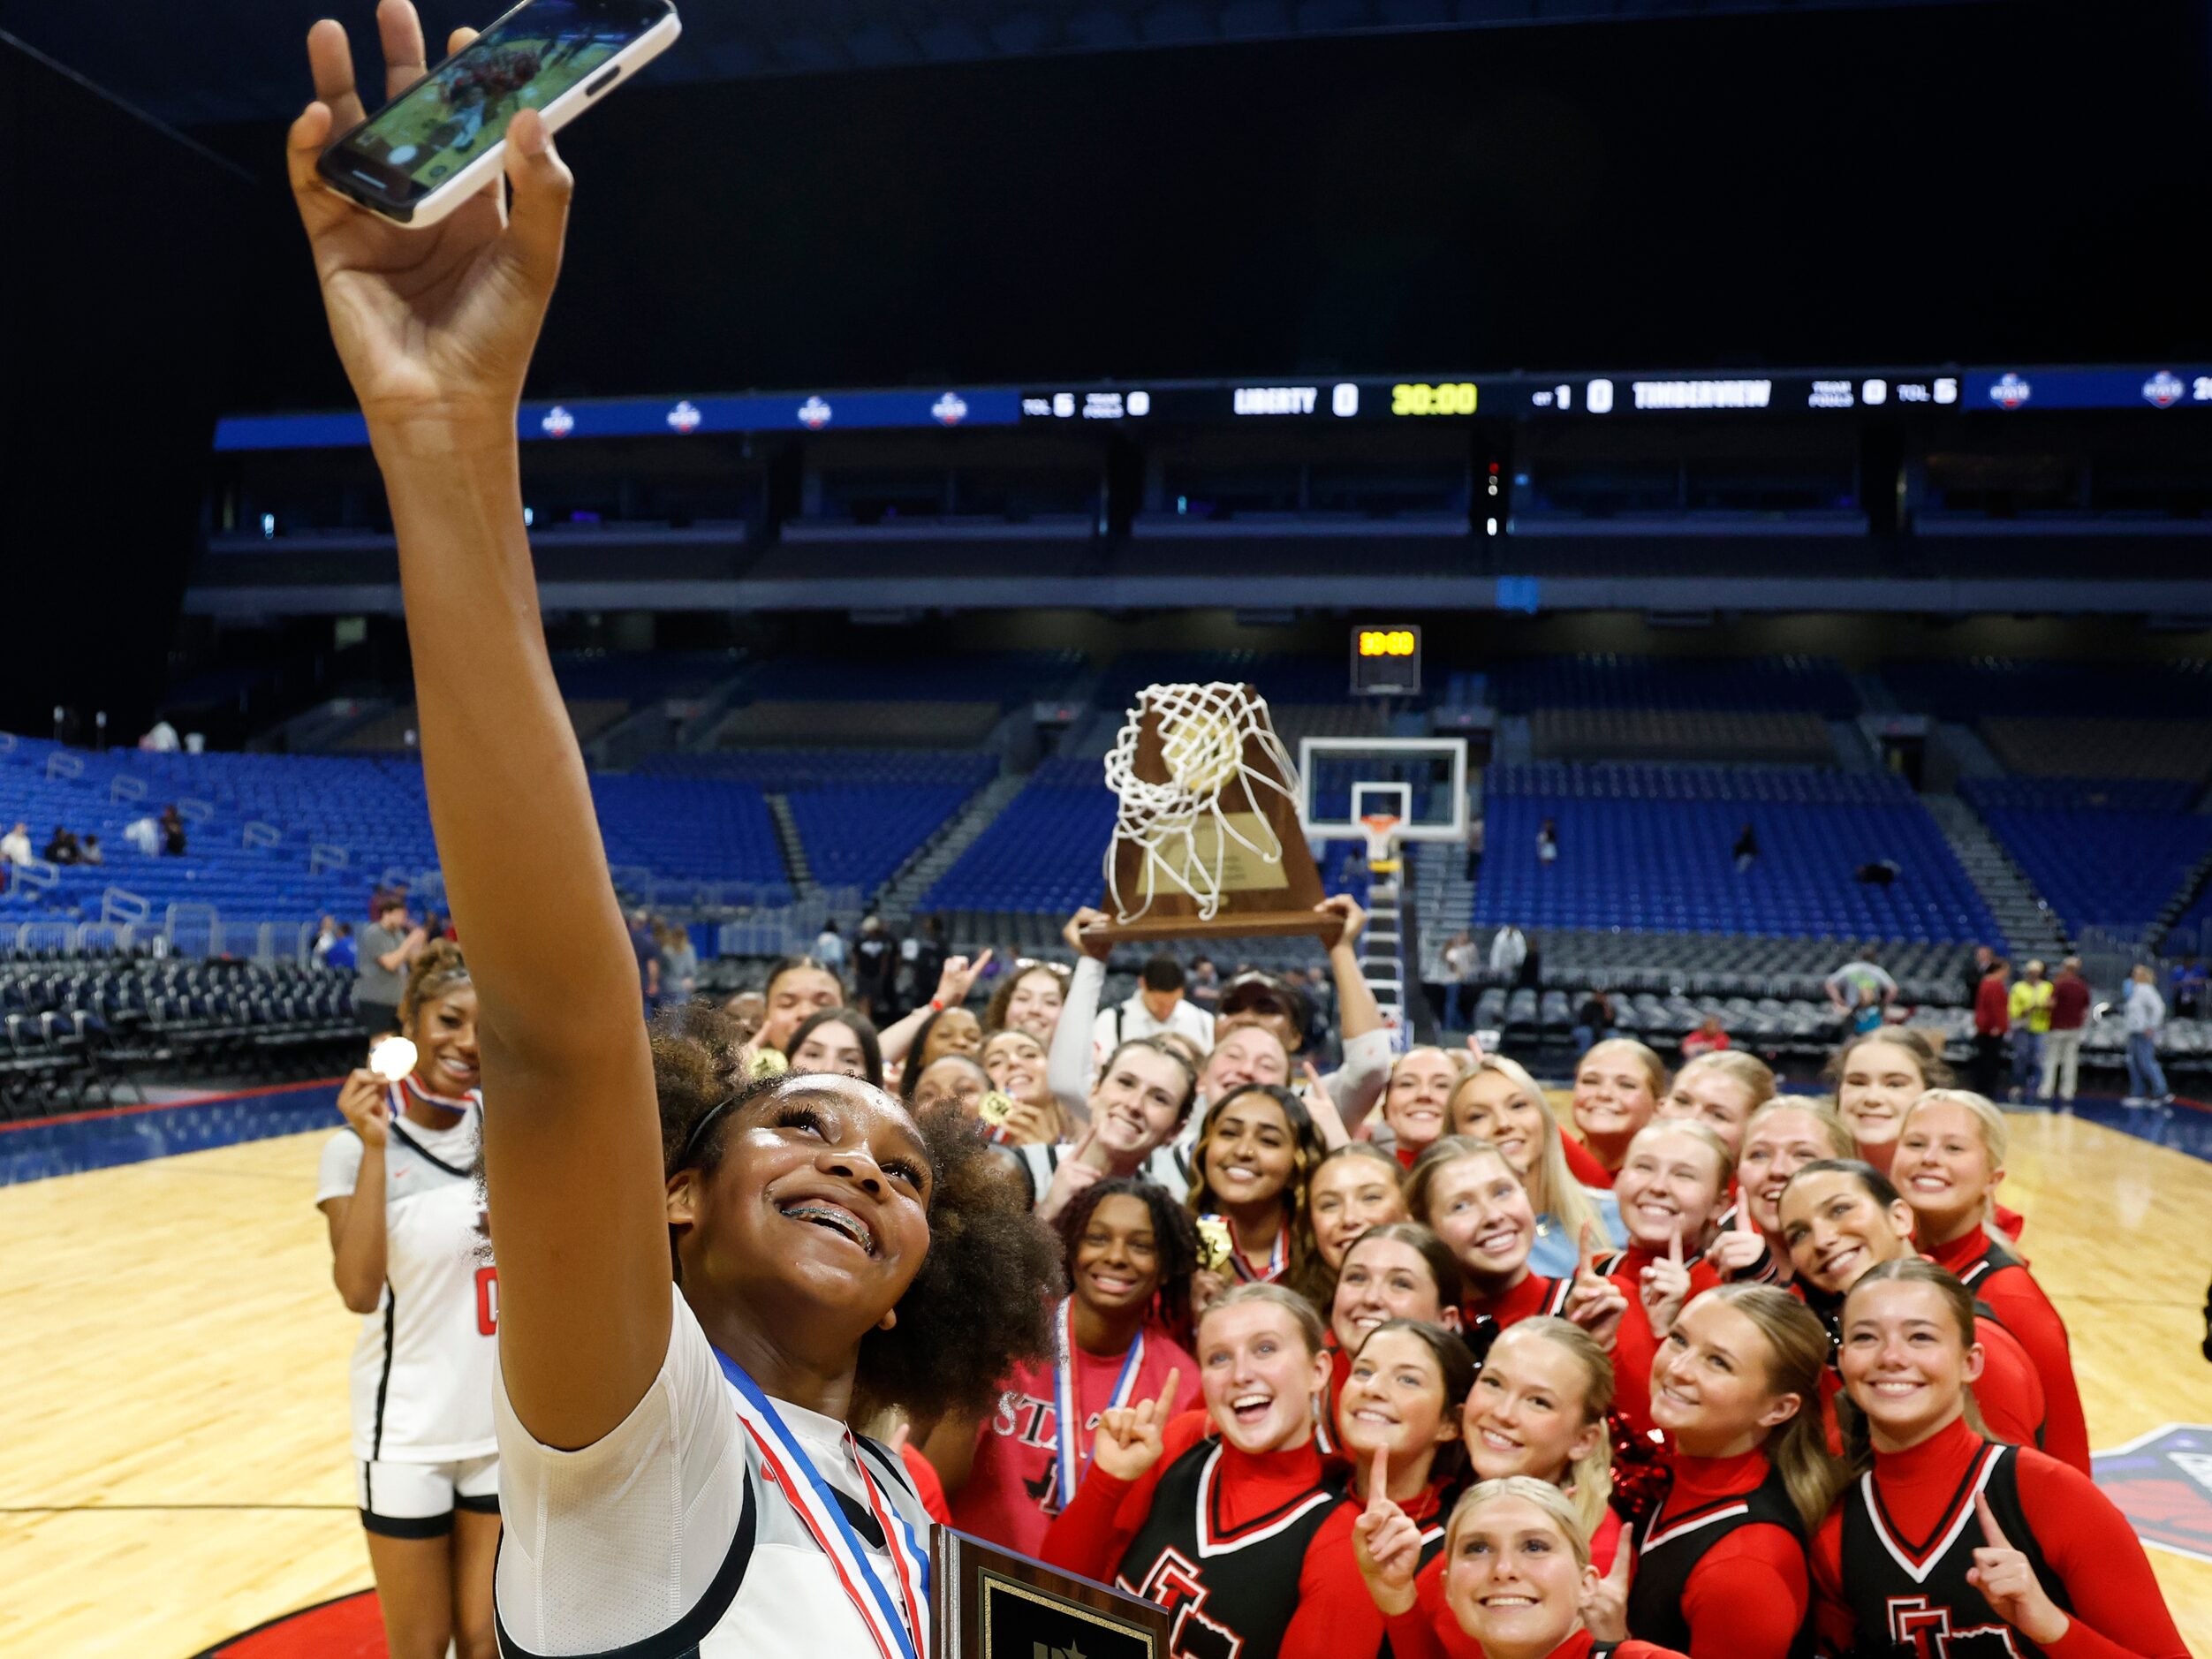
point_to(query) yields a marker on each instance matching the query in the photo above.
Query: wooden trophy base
(1242, 924)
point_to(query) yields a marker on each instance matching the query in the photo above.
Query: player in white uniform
(676, 1474)
(411, 1257)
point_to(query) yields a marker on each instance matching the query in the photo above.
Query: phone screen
(460, 109)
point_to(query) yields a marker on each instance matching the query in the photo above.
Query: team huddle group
(1399, 1362)
(1394, 1356)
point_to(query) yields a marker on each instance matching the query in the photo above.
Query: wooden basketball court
(173, 1440)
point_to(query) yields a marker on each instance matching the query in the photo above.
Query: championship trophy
(1206, 841)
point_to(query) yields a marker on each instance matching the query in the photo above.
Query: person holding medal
(409, 1255)
(1255, 1151)
(1129, 1251)
(705, 1281)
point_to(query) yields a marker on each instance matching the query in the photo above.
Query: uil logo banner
(2162, 1482)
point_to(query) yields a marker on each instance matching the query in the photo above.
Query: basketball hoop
(1381, 828)
(1209, 802)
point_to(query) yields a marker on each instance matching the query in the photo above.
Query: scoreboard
(1386, 660)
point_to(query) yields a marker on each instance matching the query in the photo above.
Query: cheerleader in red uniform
(1518, 1580)
(1129, 1252)
(1398, 1421)
(1215, 1515)
(1416, 1101)
(1720, 1090)
(1617, 1089)
(1671, 1188)
(1465, 1192)
(1949, 1159)
(1499, 1102)
(1782, 1137)
(1351, 1189)
(1876, 1078)
(1840, 1220)
(1398, 1271)
(1254, 1153)
(1537, 1408)
(1949, 1542)
(1720, 1565)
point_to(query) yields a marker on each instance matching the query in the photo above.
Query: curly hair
(1175, 1239)
(1307, 1150)
(436, 972)
(982, 1300)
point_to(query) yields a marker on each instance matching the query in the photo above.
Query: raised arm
(436, 328)
(1070, 1062)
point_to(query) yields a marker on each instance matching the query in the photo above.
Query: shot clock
(1386, 660)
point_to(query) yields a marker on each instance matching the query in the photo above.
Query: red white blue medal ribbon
(879, 1605)
(1278, 1256)
(1067, 1409)
(448, 1102)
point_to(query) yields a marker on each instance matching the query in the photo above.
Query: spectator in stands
(1548, 842)
(161, 738)
(2188, 983)
(647, 947)
(2069, 1021)
(1204, 988)
(1158, 1005)
(326, 935)
(172, 831)
(2030, 1008)
(876, 970)
(1992, 1023)
(1867, 1018)
(2146, 1013)
(1460, 960)
(388, 946)
(143, 834)
(61, 847)
(829, 947)
(1594, 1021)
(88, 849)
(1746, 847)
(1708, 1038)
(1509, 952)
(679, 964)
(15, 846)
(341, 958)
(925, 952)
(1845, 983)
(1978, 970)
(1475, 835)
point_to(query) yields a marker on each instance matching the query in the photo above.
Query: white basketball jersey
(422, 1366)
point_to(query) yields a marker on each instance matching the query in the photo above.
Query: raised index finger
(1990, 1531)
(1379, 1478)
(1165, 1399)
(1674, 1249)
(1589, 1242)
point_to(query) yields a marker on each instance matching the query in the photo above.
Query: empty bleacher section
(1042, 855)
(1759, 710)
(2117, 855)
(2050, 747)
(890, 700)
(1650, 847)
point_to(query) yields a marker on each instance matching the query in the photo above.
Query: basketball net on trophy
(1207, 840)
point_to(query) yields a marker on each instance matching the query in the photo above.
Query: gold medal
(996, 1108)
(392, 1059)
(1215, 1244)
(769, 1063)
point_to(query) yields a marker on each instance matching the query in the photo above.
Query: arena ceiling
(192, 66)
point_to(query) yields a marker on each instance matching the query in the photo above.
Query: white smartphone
(440, 142)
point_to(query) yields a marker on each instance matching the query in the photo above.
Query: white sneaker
(2134, 1099)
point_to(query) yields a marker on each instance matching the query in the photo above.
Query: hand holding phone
(435, 329)
(440, 139)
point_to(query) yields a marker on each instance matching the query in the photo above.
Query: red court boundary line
(171, 1105)
(214, 1651)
